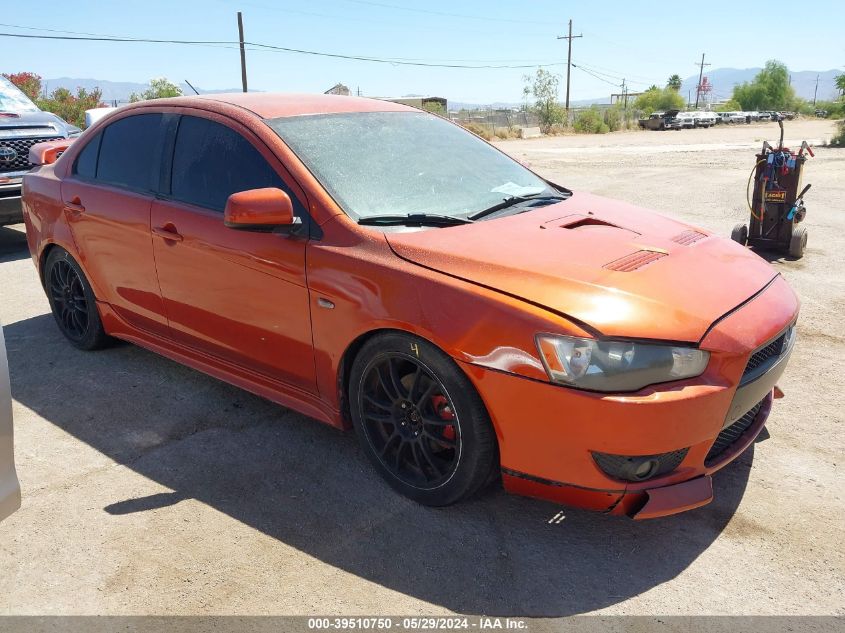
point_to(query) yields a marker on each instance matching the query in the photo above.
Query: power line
(381, 60)
(582, 69)
(533, 62)
(618, 77)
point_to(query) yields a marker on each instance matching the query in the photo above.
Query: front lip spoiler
(676, 498)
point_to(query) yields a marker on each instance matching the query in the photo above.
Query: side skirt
(258, 384)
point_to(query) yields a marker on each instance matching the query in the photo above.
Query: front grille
(769, 351)
(21, 147)
(731, 434)
(625, 467)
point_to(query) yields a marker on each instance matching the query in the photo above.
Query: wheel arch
(344, 368)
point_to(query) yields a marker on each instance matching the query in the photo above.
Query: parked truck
(660, 121)
(22, 125)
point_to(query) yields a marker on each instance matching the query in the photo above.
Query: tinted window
(212, 161)
(86, 162)
(130, 152)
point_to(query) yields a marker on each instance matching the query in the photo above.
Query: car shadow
(310, 486)
(13, 244)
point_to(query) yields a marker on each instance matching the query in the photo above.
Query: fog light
(639, 467)
(644, 469)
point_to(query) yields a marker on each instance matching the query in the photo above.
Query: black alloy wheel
(410, 421)
(72, 301)
(420, 420)
(68, 297)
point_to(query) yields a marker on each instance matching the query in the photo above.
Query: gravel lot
(151, 488)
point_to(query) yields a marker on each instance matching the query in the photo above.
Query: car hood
(616, 268)
(36, 124)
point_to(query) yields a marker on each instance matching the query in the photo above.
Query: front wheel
(420, 420)
(72, 301)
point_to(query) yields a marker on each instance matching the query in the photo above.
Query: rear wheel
(798, 242)
(72, 301)
(740, 234)
(420, 420)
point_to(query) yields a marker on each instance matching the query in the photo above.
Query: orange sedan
(374, 266)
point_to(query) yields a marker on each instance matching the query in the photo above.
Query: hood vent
(634, 261)
(687, 238)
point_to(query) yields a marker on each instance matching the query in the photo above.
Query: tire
(740, 234)
(72, 302)
(798, 242)
(420, 420)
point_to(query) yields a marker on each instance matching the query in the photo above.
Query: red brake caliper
(442, 408)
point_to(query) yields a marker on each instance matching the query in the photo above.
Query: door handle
(75, 206)
(167, 232)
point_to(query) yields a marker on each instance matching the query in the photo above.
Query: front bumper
(11, 211)
(548, 434)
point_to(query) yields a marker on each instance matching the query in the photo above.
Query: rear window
(130, 152)
(86, 162)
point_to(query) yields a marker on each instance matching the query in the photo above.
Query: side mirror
(261, 210)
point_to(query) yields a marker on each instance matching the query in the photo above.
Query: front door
(239, 296)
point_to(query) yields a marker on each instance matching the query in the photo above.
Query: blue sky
(644, 43)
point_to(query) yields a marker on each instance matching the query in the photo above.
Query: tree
(61, 102)
(543, 87)
(770, 90)
(674, 83)
(659, 100)
(840, 84)
(160, 88)
(435, 108)
(28, 83)
(71, 107)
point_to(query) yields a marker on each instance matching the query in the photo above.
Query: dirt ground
(150, 488)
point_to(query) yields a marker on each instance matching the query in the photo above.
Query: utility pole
(816, 91)
(569, 39)
(625, 95)
(243, 51)
(700, 75)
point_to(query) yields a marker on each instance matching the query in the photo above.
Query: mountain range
(116, 91)
(722, 79)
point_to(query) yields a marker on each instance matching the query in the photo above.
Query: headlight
(616, 365)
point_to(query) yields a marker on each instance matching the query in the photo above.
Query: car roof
(273, 105)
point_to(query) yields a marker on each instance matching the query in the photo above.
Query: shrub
(479, 130)
(591, 122)
(613, 118)
(506, 132)
(839, 138)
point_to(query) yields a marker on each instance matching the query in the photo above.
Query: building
(338, 89)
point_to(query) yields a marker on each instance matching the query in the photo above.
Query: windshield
(378, 163)
(12, 99)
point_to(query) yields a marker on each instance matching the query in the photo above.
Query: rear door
(10, 491)
(107, 202)
(237, 295)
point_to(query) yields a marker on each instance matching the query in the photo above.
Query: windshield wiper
(414, 219)
(515, 200)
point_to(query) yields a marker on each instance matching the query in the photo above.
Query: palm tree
(674, 82)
